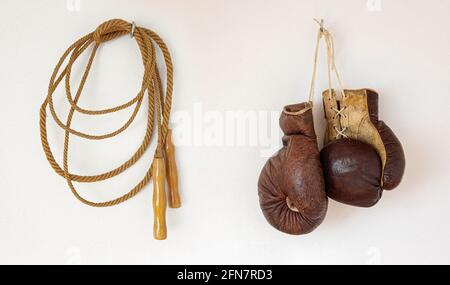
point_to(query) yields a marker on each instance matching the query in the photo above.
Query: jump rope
(159, 104)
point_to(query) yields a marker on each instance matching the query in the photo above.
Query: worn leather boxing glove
(291, 186)
(362, 156)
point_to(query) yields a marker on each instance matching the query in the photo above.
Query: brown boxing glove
(362, 156)
(291, 186)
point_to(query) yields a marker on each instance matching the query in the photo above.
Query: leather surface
(394, 160)
(352, 171)
(359, 119)
(330, 104)
(294, 174)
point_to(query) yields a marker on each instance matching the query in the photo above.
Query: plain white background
(229, 55)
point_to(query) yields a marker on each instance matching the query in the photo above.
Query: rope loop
(111, 29)
(159, 103)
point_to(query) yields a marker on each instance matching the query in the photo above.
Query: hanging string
(328, 38)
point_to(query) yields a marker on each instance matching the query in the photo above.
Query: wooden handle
(159, 199)
(172, 173)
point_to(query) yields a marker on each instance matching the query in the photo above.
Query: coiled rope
(158, 103)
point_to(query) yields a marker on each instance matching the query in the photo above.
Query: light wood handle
(159, 199)
(172, 172)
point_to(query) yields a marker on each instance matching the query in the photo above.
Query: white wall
(250, 55)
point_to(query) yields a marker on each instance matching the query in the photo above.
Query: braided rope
(151, 84)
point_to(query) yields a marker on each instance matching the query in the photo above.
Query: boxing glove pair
(362, 156)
